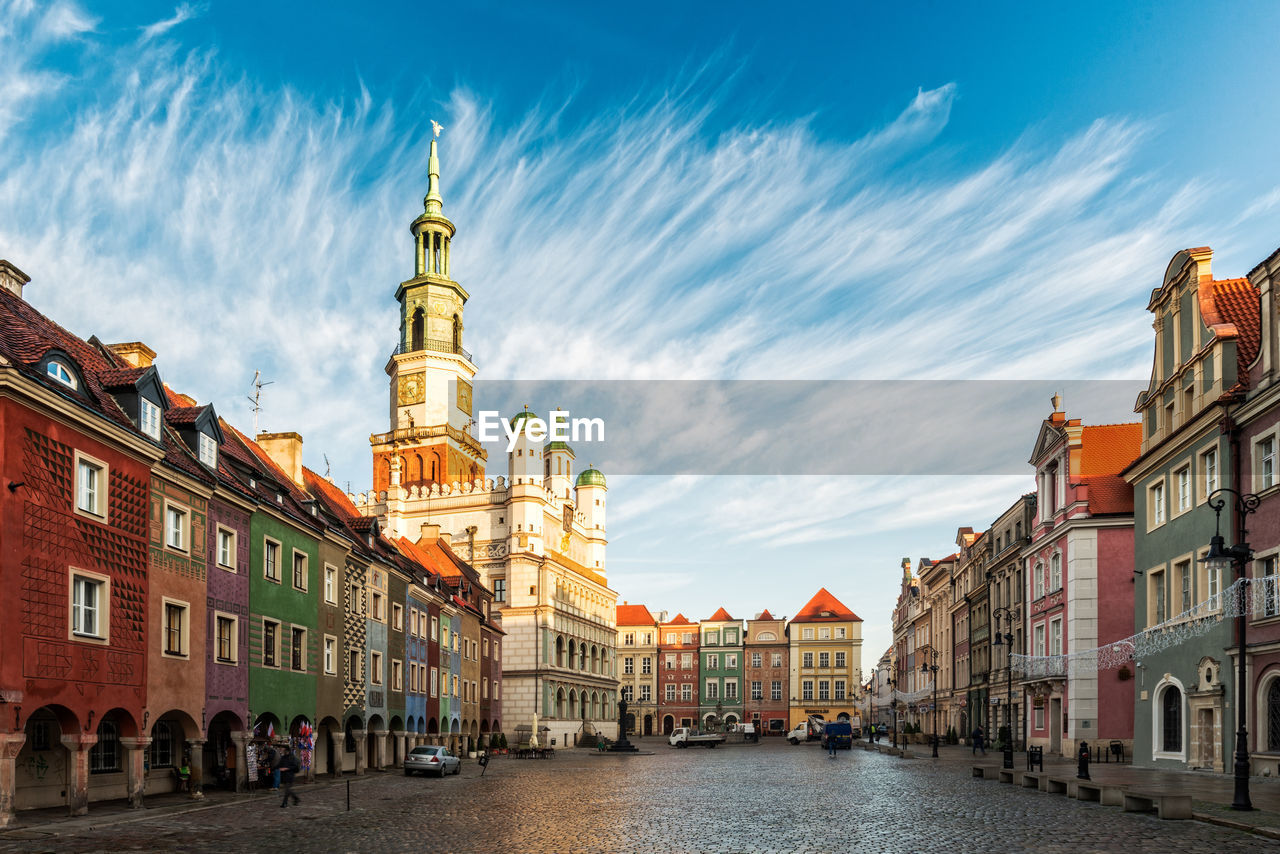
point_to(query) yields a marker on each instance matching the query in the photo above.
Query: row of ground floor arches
(58, 759)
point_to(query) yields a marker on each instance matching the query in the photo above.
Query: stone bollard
(1082, 767)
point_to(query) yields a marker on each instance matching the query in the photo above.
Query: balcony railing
(435, 347)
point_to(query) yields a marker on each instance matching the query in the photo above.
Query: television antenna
(256, 399)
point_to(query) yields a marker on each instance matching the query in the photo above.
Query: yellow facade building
(826, 660)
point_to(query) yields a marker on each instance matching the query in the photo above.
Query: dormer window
(208, 449)
(148, 417)
(61, 373)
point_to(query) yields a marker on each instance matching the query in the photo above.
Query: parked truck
(686, 737)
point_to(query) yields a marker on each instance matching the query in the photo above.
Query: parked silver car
(430, 759)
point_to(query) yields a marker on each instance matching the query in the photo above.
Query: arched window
(104, 757)
(161, 745)
(1171, 720)
(457, 334)
(1273, 715)
(1055, 572)
(416, 330)
(61, 373)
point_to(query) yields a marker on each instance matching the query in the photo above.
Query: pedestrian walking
(831, 746)
(288, 768)
(979, 743)
(273, 765)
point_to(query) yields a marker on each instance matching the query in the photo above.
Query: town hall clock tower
(430, 438)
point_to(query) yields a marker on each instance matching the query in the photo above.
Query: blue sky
(665, 191)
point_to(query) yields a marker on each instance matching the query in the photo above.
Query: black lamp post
(1220, 558)
(925, 668)
(1007, 638)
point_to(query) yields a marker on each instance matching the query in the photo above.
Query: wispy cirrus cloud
(183, 13)
(237, 226)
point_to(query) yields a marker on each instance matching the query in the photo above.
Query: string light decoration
(904, 697)
(1260, 599)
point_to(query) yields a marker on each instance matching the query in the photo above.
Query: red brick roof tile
(765, 615)
(680, 620)
(720, 616)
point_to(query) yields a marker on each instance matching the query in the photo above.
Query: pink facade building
(1079, 576)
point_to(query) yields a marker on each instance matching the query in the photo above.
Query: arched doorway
(631, 723)
(43, 766)
(327, 761)
(373, 751)
(169, 753)
(222, 754)
(648, 724)
(353, 732)
(668, 725)
(416, 328)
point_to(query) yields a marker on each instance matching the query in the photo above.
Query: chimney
(430, 532)
(135, 353)
(285, 450)
(12, 279)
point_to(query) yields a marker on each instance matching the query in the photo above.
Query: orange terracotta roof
(334, 498)
(1236, 303)
(765, 615)
(1106, 450)
(823, 607)
(720, 616)
(680, 620)
(634, 615)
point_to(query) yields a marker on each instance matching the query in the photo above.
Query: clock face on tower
(411, 390)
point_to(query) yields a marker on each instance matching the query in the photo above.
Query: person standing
(979, 743)
(287, 769)
(273, 765)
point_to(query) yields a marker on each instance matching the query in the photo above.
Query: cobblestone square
(766, 798)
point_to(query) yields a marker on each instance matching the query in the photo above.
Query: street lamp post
(925, 668)
(1007, 637)
(1220, 558)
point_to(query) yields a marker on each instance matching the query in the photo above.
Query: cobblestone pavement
(769, 797)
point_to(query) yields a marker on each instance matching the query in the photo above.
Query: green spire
(433, 203)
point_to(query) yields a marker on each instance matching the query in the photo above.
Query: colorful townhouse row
(1100, 575)
(768, 671)
(176, 593)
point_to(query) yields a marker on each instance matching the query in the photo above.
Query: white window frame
(330, 584)
(230, 533)
(1185, 485)
(330, 655)
(1210, 476)
(1264, 461)
(98, 512)
(375, 667)
(184, 628)
(1157, 504)
(1055, 572)
(1055, 636)
(101, 633)
(173, 510)
(434, 682)
(711, 691)
(397, 616)
(207, 449)
(397, 675)
(149, 418)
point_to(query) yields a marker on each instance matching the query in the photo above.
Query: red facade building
(73, 564)
(678, 673)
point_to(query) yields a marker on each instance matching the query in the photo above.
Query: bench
(1006, 775)
(977, 772)
(1165, 806)
(1061, 786)
(1108, 794)
(1034, 780)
